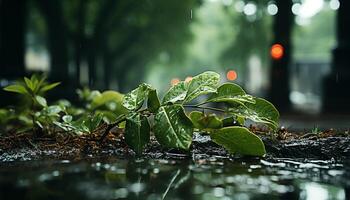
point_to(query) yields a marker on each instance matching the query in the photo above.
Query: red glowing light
(188, 79)
(174, 81)
(277, 51)
(231, 75)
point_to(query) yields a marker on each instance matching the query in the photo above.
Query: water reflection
(216, 178)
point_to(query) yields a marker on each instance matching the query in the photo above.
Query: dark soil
(323, 145)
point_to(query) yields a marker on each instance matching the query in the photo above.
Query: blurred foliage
(115, 38)
(316, 39)
(36, 114)
(125, 42)
(223, 39)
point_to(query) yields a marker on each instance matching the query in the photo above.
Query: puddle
(216, 178)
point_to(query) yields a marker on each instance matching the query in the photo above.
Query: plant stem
(205, 107)
(110, 126)
(199, 104)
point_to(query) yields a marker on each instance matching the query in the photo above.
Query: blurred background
(292, 52)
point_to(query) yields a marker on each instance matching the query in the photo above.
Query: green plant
(107, 103)
(85, 124)
(315, 130)
(35, 110)
(98, 107)
(173, 128)
(33, 89)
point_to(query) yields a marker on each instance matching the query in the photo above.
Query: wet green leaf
(110, 100)
(231, 93)
(49, 87)
(172, 127)
(67, 118)
(108, 116)
(93, 122)
(239, 140)
(153, 101)
(87, 123)
(201, 84)
(261, 112)
(53, 110)
(202, 121)
(176, 93)
(29, 83)
(16, 88)
(41, 100)
(135, 99)
(137, 132)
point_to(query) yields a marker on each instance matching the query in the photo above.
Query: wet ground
(303, 122)
(213, 178)
(323, 146)
(308, 166)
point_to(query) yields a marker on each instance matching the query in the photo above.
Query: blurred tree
(12, 45)
(336, 85)
(253, 37)
(12, 26)
(57, 39)
(314, 41)
(282, 29)
(114, 38)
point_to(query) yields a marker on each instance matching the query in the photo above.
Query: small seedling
(33, 90)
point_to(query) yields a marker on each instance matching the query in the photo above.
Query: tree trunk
(57, 39)
(12, 45)
(282, 29)
(80, 40)
(12, 38)
(336, 86)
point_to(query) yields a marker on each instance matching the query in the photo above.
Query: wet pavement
(214, 178)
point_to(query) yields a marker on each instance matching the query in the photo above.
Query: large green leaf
(176, 93)
(239, 140)
(230, 93)
(134, 99)
(17, 88)
(153, 101)
(261, 112)
(137, 132)
(201, 84)
(202, 121)
(172, 127)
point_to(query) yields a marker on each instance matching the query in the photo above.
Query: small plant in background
(35, 111)
(37, 114)
(107, 103)
(33, 89)
(98, 107)
(173, 128)
(315, 130)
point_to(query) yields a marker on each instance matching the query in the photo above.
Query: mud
(23, 148)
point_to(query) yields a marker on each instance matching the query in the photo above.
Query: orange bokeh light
(231, 75)
(277, 51)
(174, 81)
(188, 79)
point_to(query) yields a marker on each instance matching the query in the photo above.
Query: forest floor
(329, 144)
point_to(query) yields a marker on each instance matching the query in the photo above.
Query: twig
(110, 126)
